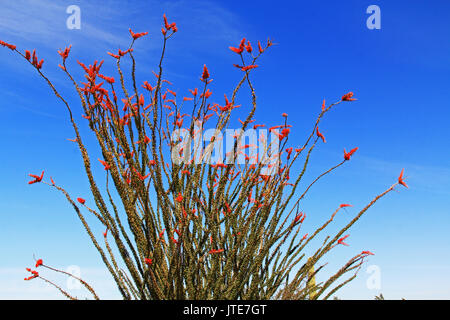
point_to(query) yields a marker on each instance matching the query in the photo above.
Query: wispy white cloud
(13, 286)
(204, 26)
(206, 20)
(45, 22)
(430, 178)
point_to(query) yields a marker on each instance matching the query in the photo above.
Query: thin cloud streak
(45, 22)
(435, 179)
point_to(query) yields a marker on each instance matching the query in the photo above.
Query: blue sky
(399, 75)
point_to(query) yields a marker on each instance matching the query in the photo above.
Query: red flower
(348, 155)
(141, 100)
(81, 200)
(137, 35)
(205, 74)
(213, 251)
(113, 55)
(179, 123)
(179, 198)
(289, 151)
(122, 53)
(147, 86)
(34, 56)
(253, 66)
(194, 92)
(173, 92)
(401, 179)
(207, 94)
(7, 45)
(227, 206)
(367, 253)
(107, 79)
(298, 216)
(36, 178)
(107, 166)
(141, 177)
(228, 105)
(241, 47)
(259, 47)
(148, 261)
(64, 54)
(166, 23)
(161, 234)
(285, 132)
(348, 97)
(168, 26)
(341, 240)
(248, 47)
(220, 165)
(35, 62)
(345, 205)
(242, 44)
(34, 273)
(146, 140)
(237, 50)
(39, 263)
(320, 135)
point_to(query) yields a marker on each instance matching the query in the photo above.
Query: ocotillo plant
(199, 224)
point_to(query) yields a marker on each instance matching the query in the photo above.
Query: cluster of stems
(196, 230)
